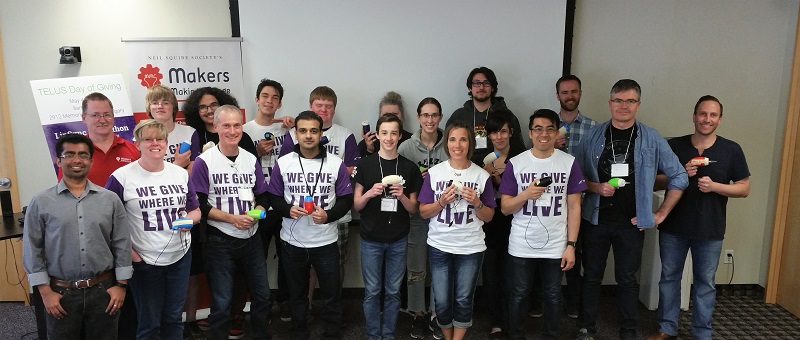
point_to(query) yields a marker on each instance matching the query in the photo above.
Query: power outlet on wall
(728, 256)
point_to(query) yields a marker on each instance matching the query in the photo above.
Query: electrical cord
(733, 269)
(16, 269)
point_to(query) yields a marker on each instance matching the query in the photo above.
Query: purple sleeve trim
(343, 186)
(351, 154)
(199, 177)
(577, 183)
(196, 147)
(508, 184)
(275, 186)
(116, 187)
(191, 198)
(425, 192)
(261, 184)
(487, 196)
(288, 144)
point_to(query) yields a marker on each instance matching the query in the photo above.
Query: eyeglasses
(213, 106)
(618, 101)
(429, 115)
(484, 83)
(150, 140)
(539, 129)
(71, 155)
(97, 116)
(160, 103)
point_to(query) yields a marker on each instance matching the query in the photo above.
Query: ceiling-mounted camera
(70, 54)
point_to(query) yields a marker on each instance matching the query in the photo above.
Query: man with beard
(482, 86)
(697, 222)
(573, 123)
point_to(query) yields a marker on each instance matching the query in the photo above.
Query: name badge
(619, 170)
(389, 204)
(245, 194)
(480, 142)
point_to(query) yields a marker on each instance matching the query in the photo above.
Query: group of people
(444, 204)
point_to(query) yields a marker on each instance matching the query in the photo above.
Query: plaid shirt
(575, 131)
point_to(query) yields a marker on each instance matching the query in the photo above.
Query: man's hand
(705, 184)
(117, 295)
(568, 258)
(604, 189)
(369, 140)
(135, 257)
(265, 146)
(242, 222)
(52, 302)
(182, 159)
(287, 122)
(297, 212)
(691, 170)
(659, 217)
(319, 215)
(561, 140)
(533, 192)
(375, 191)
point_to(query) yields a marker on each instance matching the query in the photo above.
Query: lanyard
(484, 118)
(627, 148)
(381, 167)
(319, 174)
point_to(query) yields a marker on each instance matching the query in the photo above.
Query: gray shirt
(75, 238)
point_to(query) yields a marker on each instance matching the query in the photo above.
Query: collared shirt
(575, 131)
(121, 153)
(75, 238)
(652, 155)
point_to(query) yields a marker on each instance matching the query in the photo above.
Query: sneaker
(203, 324)
(434, 327)
(583, 334)
(285, 312)
(535, 311)
(572, 311)
(237, 327)
(418, 327)
(192, 331)
(497, 335)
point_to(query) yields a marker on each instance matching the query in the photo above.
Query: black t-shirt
(701, 215)
(383, 226)
(618, 210)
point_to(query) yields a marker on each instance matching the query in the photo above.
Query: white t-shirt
(539, 228)
(222, 180)
(341, 142)
(456, 229)
(293, 178)
(152, 201)
(181, 133)
(256, 132)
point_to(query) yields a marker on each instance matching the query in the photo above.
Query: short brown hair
(322, 93)
(160, 92)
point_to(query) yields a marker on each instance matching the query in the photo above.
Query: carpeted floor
(736, 317)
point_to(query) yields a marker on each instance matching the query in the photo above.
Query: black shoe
(535, 311)
(418, 326)
(572, 310)
(285, 312)
(497, 335)
(437, 331)
(192, 331)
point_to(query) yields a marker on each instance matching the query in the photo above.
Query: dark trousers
(85, 308)
(270, 228)
(520, 280)
(298, 262)
(627, 243)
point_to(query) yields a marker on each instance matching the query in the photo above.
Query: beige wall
(739, 51)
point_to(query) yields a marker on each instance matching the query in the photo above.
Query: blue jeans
(705, 260)
(159, 293)
(520, 280)
(627, 243)
(85, 308)
(382, 267)
(297, 262)
(453, 280)
(224, 256)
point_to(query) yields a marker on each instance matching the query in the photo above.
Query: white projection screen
(362, 49)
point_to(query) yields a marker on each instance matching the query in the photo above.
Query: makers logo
(150, 76)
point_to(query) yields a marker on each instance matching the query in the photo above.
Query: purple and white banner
(59, 104)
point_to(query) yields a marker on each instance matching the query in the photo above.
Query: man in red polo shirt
(110, 151)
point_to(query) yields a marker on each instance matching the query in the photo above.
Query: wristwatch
(571, 243)
(121, 285)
